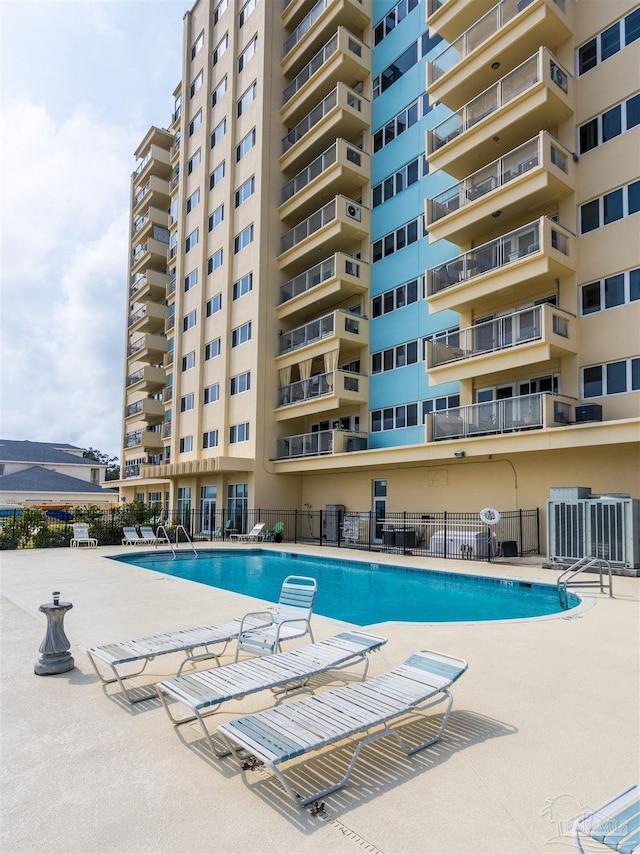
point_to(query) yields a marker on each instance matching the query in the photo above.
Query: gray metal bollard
(55, 656)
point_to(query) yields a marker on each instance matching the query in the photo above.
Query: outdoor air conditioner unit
(354, 211)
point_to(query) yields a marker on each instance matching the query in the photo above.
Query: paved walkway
(544, 723)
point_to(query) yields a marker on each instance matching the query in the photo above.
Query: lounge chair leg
(203, 656)
(196, 716)
(119, 678)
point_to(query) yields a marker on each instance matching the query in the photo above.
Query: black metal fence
(441, 534)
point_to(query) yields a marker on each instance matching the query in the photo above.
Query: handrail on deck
(178, 529)
(566, 579)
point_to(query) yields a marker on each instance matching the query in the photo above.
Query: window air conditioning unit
(354, 211)
(588, 412)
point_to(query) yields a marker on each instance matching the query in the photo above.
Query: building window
(189, 321)
(211, 393)
(399, 181)
(218, 133)
(392, 19)
(192, 240)
(177, 108)
(219, 91)
(216, 217)
(197, 46)
(246, 10)
(245, 191)
(403, 63)
(187, 403)
(609, 208)
(394, 417)
(189, 361)
(220, 9)
(216, 176)
(247, 97)
(437, 404)
(194, 162)
(214, 262)
(245, 145)
(611, 292)
(398, 297)
(241, 334)
(210, 439)
(401, 122)
(247, 53)
(243, 239)
(240, 383)
(214, 305)
(611, 378)
(395, 357)
(191, 280)
(242, 286)
(608, 42)
(195, 123)
(212, 349)
(197, 83)
(239, 433)
(609, 124)
(186, 444)
(220, 49)
(397, 240)
(193, 200)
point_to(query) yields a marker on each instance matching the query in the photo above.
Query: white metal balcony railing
(143, 162)
(308, 226)
(137, 315)
(496, 253)
(498, 416)
(320, 443)
(315, 330)
(524, 77)
(481, 30)
(317, 385)
(138, 283)
(317, 167)
(305, 25)
(321, 57)
(140, 221)
(136, 346)
(132, 470)
(492, 336)
(317, 114)
(503, 170)
(171, 286)
(316, 275)
(166, 430)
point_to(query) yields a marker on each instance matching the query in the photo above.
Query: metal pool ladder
(567, 578)
(178, 529)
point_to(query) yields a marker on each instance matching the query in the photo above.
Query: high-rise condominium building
(387, 256)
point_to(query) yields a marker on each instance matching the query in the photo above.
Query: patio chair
(615, 824)
(291, 619)
(276, 735)
(255, 534)
(149, 536)
(288, 672)
(275, 534)
(131, 537)
(81, 536)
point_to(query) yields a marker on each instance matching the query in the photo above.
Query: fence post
(445, 533)
(295, 526)
(370, 524)
(520, 532)
(320, 531)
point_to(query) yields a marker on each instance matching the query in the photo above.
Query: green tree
(112, 464)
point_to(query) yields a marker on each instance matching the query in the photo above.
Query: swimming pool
(363, 593)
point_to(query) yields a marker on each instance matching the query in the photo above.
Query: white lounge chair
(131, 537)
(615, 824)
(203, 693)
(302, 726)
(255, 534)
(149, 536)
(81, 536)
(291, 619)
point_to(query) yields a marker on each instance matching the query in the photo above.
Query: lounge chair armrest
(299, 620)
(263, 614)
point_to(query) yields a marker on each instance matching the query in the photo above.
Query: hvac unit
(466, 544)
(604, 526)
(588, 412)
(354, 211)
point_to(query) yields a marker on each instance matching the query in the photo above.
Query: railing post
(320, 531)
(295, 526)
(445, 533)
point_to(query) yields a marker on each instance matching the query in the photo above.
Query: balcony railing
(317, 62)
(140, 282)
(320, 443)
(512, 414)
(497, 253)
(139, 196)
(317, 385)
(497, 174)
(524, 77)
(132, 470)
(137, 225)
(132, 379)
(310, 120)
(305, 25)
(137, 315)
(171, 286)
(308, 226)
(131, 440)
(483, 29)
(143, 162)
(134, 408)
(317, 167)
(316, 275)
(315, 330)
(166, 430)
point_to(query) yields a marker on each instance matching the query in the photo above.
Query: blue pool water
(363, 593)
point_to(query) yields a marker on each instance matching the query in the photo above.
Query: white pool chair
(131, 537)
(276, 735)
(292, 618)
(615, 824)
(150, 537)
(81, 536)
(203, 693)
(254, 535)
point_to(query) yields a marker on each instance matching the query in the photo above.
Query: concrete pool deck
(544, 725)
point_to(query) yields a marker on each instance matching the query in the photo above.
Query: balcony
(318, 25)
(535, 96)
(150, 286)
(149, 317)
(449, 18)
(518, 264)
(148, 409)
(166, 430)
(143, 439)
(341, 168)
(154, 193)
(510, 30)
(322, 286)
(343, 58)
(531, 336)
(148, 378)
(342, 113)
(321, 443)
(148, 348)
(340, 225)
(152, 254)
(323, 392)
(533, 175)
(143, 224)
(156, 162)
(341, 331)
(511, 415)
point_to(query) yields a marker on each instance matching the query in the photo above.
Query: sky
(81, 83)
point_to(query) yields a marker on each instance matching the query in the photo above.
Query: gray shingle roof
(39, 479)
(41, 452)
